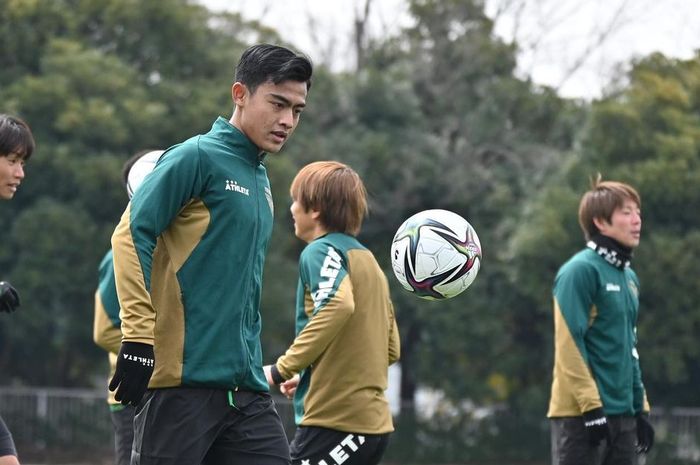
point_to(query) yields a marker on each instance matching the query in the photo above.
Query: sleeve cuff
(276, 376)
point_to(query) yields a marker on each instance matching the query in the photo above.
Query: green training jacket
(106, 329)
(188, 259)
(596, 363)
(346, 338)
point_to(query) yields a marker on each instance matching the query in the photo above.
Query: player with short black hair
(189, 254)
(16, 147)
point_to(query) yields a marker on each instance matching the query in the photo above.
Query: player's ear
(239, 92)
(600, 223)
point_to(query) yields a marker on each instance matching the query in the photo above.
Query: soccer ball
(436, 254)
(140, 169)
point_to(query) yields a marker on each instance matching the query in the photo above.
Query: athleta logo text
(233, 186)
(329, 270)
(147, 362)
(596, 422)
(341, 452)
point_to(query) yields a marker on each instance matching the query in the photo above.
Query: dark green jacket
(596, 363)
(189, 254)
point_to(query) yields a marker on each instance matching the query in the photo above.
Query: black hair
(265, 62)
(15, 137)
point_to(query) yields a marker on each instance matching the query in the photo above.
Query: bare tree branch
(602, 36)
(361, 34)
(325, 44)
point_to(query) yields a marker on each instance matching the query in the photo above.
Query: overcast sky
(573, 45)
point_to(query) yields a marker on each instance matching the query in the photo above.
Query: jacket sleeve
(639, 398)
(641, 403)
(323, 273)
(175, 180)
(104, 332)
(574, 294)
(394, 339)
(106, 324)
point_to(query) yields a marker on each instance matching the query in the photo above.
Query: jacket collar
(611, 250)
(241, 144)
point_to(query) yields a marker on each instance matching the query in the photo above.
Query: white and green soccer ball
(436, 254)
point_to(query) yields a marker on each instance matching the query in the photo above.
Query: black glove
(134, 369)
(9, 298)
(645, 433)
(596, 426)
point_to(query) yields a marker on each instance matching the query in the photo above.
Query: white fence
(53, 425)
(680, 427)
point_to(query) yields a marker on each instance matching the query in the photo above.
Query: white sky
(572, 45)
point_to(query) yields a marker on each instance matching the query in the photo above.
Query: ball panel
(398, 256)
(459, 282)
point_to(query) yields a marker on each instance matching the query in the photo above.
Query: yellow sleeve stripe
(104, 333)
(136, 310)
(570, 369)
(319, 332)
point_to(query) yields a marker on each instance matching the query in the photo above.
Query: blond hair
(336, 191)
